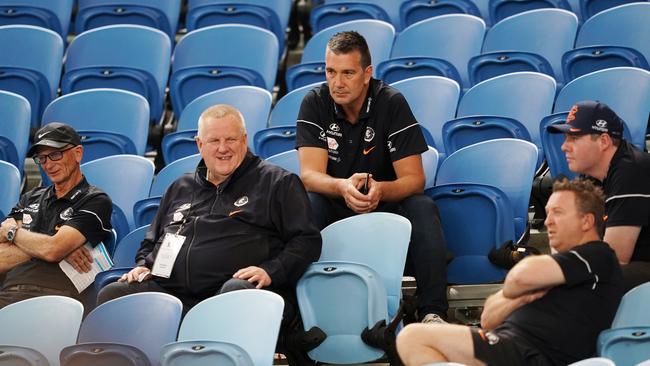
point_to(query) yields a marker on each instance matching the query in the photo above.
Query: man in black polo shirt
(359, 146)
(551, 308)
(52, 223)
(594, 146)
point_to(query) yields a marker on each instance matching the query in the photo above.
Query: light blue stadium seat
(412, 11)
(488, 212)
(15, 355)
(401, 68)
(285, 111)
(433, 101)
(584, 60)
(171, 172)
(507, 164)
(45, 324)
(114, 334)
(120, 226)
(334, 12)
(30, 65)
(548, 33)
(9, 187)
(160, 14)
(359, 255)
(269, 15)
(15, 114)
(491, 64)
(465, 131)
(254, 103)
(524, 96)
(594, 361)
(145, 210)
(123, 257)
(287, 160)
(633, 106)
(129, 57)
(274, 140)
(203, 353)
(53, 15)
(124, 189)
(589, 8)
(626, 343)
(501, 9)
(430, 160)
(201, 65)
(453, 37)
(378, 34)
(249, 319)
(110, 121)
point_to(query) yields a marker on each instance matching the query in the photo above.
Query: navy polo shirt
(386, 132)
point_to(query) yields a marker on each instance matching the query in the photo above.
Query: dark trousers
(634, 274)
(12, 294)
(426, 257)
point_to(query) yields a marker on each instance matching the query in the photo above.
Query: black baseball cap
(590, 117)
(56, 135)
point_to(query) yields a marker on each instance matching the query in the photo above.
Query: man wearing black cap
(50, 223)
(595, 147)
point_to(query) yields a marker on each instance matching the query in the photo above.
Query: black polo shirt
(627, 188)
(85, 208)
(386, 132)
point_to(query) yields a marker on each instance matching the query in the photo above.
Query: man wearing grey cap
(594, 146)
(52, 223)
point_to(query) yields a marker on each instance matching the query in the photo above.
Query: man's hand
(5, 227)
(254, 274)
(137, 274)
(354, 199)
(80, 259)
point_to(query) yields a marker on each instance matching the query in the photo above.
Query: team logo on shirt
(66, 214)
(369, 135)
(27, 219)
(334, 127)
(332, 144)
(183, 207)
(32, 208)
(322, 135)
(492, 338)
(241, 201)
(390, 146)
(178, 215)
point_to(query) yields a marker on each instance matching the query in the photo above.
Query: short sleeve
(405, 136)
(309, 132)
(93, 218)
(587, 263)
(628, 199)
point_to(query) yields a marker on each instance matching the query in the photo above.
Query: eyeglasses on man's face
(53, 156)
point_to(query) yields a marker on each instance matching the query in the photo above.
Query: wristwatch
(11, 234)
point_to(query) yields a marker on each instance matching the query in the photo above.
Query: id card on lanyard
(167, 253)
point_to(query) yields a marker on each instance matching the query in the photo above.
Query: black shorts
(503, 347)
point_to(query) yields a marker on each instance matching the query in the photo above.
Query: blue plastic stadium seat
(465, 131)
(401, 68)
(30, 65)
(53, 15)
(161, 14)
(412, 11)
(15, 114)
(584, 60)
(123, 257)
(589, 8)
(129, 57)
(304, 74)
(501, 9)
(287, 160)
(334, 13)
(488, 65)
(274, 140)
(285, 111)
(9, 187)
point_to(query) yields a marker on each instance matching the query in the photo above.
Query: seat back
(30, 64)
(103, 110)
(161, 14)
(507, 164)
(415, 10)
(15, 113)
(304, 74)
(584, 60)
(53, 15)
(285, 111)
(287, 160)
(330, 285)
(171, 172)
(589, 8)
(633, 106)
(201, 65)
(274, 140)
(127, 248)
(401, 68)
(14, 355)
(46, 324)
(430, 159)
(378, 34)
(488, 65)
(632, 310)
(465, 131)
(145, 210)
(502, 9)
(124, 189)
(254, 103)
(178, 145)
(130, 57)
(334, 12)
(9, 187)
(120, 321)
(488, 211)
(198, 353)
(524, 96)
(545, 32)
(433, 101)
(626, 25)
(248, 318)
(452, 37)
(625, 346)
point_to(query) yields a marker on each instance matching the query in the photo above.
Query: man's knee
(319, 209)
(235, 284)
(419, 206)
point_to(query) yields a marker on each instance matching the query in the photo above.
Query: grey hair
(220, 111)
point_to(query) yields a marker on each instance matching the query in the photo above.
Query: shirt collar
(72, 195)
(373, 90)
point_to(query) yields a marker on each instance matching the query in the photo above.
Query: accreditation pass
(167, 253)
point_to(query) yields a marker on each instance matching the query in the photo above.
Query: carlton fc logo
(66, 214)
(370, 134)
(334, 127)
(241, 201)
